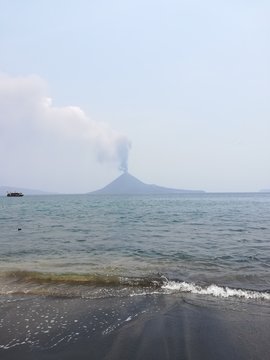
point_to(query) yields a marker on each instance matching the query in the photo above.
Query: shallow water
(99, 246)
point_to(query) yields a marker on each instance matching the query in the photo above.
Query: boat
(14, 194)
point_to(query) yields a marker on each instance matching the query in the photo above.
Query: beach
(135, 277)
(137, 327)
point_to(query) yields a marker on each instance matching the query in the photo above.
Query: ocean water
(209, 245)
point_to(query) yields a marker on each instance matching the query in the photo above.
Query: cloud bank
(30, 121)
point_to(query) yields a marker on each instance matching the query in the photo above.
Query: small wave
(35, 277)
(214, 290)
(70, 285)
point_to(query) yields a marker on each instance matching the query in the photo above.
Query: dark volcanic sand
(140, 327)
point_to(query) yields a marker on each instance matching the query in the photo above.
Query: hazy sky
(179, 89)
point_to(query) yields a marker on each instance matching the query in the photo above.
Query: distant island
(265, 190)
(124, 184)
(129, 184)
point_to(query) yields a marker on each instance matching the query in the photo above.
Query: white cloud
(33, 130)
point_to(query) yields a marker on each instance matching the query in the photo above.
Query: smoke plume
(27, 111)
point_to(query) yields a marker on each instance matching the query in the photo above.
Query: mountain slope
(129, 184)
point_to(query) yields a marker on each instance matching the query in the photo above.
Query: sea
(210, 245)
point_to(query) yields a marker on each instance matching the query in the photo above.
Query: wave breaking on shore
(96, 285)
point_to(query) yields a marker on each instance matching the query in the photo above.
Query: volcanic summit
(129, 184)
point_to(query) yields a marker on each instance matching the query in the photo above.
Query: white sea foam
(214, 290)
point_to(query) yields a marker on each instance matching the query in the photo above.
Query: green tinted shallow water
(205, 239)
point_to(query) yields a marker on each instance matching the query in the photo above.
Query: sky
(175, 91)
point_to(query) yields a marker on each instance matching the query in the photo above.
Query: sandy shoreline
(140, 327)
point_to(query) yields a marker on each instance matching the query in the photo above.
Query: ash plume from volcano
(113, 147)
(123, 151)
(26, 106)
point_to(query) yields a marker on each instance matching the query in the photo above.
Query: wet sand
(139, 327)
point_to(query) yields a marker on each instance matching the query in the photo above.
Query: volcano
(129, 184)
